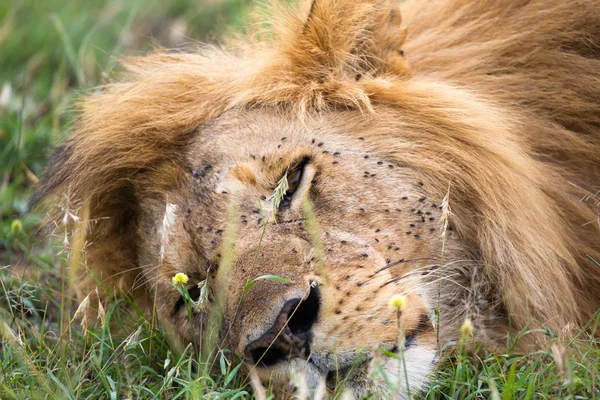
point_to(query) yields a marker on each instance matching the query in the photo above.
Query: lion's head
(319, 163)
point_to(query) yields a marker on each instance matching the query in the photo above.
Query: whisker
(373, 275)
(399, 262)
(149, 267)
(399, 278)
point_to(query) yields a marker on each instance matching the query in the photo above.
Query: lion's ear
(361, 37)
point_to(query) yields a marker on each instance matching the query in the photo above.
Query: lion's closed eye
(299, 178)
(193, 294)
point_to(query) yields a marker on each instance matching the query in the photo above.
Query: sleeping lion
(304, 176)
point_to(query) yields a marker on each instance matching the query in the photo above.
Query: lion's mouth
(337, 363)
(339, 369)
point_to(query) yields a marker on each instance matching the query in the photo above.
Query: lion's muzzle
(290, 335)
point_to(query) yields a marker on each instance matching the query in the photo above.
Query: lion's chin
(358, 374)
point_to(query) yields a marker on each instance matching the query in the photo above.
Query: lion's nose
(290, 335)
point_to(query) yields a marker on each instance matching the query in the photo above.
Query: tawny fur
(502, 108)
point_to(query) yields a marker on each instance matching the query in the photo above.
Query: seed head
(466, 329)
(180, 279)
(397, 302)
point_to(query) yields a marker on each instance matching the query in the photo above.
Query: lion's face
(378, 232)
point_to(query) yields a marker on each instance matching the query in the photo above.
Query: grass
(51, 52)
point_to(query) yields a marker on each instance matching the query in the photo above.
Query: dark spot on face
(412, 225)
(264, 158)
(337, 312)
(377, 230)
(343, 242)
(408, 232)
(379, 162)
(320, 144)
(431, 218)
(417, 236)
(404, 197)
(283, 138)
(325, 152)
(337, 153)
(335, 162)
(390, 166)
(422, 199)
(364, 255)
(278, 146)
(362, 209)
(224, 192)
(202, 171)
(361, 138)
(366, 157)
(313, 141)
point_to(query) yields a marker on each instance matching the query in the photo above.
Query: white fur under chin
(386, 377)
(389, 377)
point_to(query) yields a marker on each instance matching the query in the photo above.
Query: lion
(449, 156)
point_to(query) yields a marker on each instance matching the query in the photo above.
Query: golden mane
(502, 108)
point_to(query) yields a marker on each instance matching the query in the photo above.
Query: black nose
(290, 335)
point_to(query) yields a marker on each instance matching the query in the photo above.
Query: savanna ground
(53, 51)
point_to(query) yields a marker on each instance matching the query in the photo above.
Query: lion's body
(492, 106)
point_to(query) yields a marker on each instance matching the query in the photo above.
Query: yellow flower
(466, 328)
(16, 226)
(397, 302)
(180, 279)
